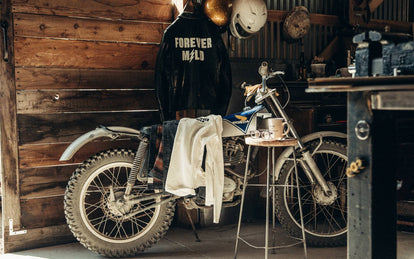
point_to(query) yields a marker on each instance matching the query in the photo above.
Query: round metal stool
(271, 145)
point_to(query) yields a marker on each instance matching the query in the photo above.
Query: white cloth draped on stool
(185, 172)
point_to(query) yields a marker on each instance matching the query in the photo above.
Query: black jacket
(192, 69)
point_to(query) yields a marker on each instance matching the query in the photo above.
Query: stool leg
(273, 202)
(242, 202)
(267, 205)
(300, 204)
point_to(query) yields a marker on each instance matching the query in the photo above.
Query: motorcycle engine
(234, 158)
(233, 150)
(229, 189)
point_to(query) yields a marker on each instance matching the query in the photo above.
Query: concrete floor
(216, 242)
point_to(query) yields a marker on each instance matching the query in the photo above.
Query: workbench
(374, 105)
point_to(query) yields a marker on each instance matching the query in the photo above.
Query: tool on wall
(296, 24)
(355, 168)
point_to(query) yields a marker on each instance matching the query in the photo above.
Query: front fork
(311, 170)
(307, 163)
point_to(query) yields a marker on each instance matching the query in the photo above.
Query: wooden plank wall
(78, 64)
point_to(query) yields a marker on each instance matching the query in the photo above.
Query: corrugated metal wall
(395, 10)
(314, 6)
(269, 43)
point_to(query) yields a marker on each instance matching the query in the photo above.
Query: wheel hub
(321, 198)
(117, 205)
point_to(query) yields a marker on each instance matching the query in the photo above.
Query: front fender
(109, 132)
(316, 135)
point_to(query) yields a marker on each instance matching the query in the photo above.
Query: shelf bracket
(12, 232)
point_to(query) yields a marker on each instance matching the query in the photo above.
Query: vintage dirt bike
(110, 209)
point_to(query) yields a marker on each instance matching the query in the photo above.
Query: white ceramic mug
(278, 128)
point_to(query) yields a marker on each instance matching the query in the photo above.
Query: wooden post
(9, 137)
(373, 4)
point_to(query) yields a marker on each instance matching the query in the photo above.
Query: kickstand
(192, 226)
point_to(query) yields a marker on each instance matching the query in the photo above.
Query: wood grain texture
(75, 64)
(42, 212)
(61, 78)
(55, 128)
(44, 182)
(38, 237)
(50, 101)
(43, 155)
(83, 54)
(145, 10)
(8, 132)
(29, 25)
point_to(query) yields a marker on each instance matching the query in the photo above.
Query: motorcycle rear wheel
(325, 219)
(93, 220)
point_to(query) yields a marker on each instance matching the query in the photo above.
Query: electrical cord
(287, 91)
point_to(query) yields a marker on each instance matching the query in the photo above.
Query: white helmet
(247, 18)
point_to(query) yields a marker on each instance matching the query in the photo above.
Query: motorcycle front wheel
(325, 218)
(98, 216)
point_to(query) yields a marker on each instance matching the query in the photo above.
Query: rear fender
(112, 132)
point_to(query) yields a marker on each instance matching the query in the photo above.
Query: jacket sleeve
(161, 79)
(225, 79)
(226, 82)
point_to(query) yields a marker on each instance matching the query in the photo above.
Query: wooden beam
(356, 18)
(56, 101)
(41, 182)
(351, 14)
(9, 146)
(324, 19)
(317, 19)
(72, 78)
(373, 4)
(34, 214)
(45, 26)
(330, 50)
(142, 10)
(395, 26)
(83, 54)
(43, 155)
(56, 128)
(38, 237)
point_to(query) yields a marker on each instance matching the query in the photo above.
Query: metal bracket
(12, 232)
(362, 130)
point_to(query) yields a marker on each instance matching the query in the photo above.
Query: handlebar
(250, 91)
(265, 73)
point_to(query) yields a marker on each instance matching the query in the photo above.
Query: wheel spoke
(122, 229)
(331, 219)
(102, 219)
(137, 224)
(90, 205)
(99, 185)
(113, 181)
(320, 220)
(328, 170)
(110, 226)
(113, 229)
